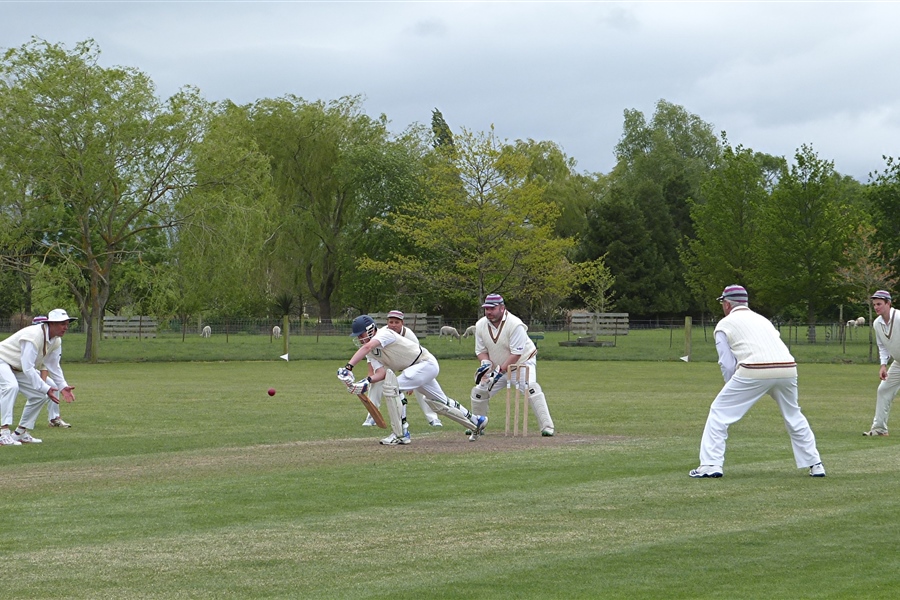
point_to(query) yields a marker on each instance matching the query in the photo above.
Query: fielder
(754, 362)
(501, 341)
(53, 414)
(395, 323)
(888, 348)
(21, 354)
(390, 354)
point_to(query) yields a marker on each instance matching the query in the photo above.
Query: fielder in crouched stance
(389, 353)
(502, 342)
(754, 362)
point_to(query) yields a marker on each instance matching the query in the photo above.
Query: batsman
(501, 341)
(389, 353)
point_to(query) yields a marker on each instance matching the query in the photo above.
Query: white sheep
(207, 331)
(470, 330)
(449, 331)
(276, 331)
(860, 321)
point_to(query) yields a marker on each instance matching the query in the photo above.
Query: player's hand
(360, 387)
(482, 370)
(51, 393)
(67, 394)
(345, 375)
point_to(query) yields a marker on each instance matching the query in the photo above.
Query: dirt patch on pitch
(493, 442)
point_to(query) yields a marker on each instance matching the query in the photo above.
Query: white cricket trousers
(422, 377)
(733, 402)
(11, 383)
(887, 389)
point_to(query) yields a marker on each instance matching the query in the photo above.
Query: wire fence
(794, 333)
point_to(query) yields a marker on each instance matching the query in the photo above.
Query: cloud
(773, 75)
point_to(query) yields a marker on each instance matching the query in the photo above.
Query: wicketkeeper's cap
(881, 295)
(38, 320)
(396, 314)
(58, 315)
(733, 293)
(492, 300)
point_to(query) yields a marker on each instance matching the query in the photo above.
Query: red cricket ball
(271, 391)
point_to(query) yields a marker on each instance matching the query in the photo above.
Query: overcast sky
(772, 75)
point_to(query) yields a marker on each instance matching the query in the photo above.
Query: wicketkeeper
(501, 341)
(390, 354)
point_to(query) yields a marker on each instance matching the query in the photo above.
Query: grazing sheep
(276, 331)
(470, 330)
(860, 321)
(851, 323)
(207, 331)
(449, 331)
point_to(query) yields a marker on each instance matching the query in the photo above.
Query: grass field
(185, 480)
(642, 344)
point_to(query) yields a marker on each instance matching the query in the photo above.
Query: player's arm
(727, 360)
(362, 352)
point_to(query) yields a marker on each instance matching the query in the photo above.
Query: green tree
(725, 219)
(596, 281)
(442, 136)
(96, 159)
(227, 221)
(805, 227)
(659, 167)
(483, 226)
(883, 196)
(571, 192)
(333, 168)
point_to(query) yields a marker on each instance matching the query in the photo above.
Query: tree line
(116, 201)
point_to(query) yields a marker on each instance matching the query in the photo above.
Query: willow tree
(333, 168)
(95, 159)
(481, 226)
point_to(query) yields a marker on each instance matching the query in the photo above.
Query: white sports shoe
(436, 423)
(479, 429)
(58, 422)
(817, 470)
(369, 422)
(6, 439)
(706, 471)
(25, 438)
(393, 440)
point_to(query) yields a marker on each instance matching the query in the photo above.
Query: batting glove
(360, 387)
(345, 375)
(482, 370)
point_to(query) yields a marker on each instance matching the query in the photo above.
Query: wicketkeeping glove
(482, 370)
(496, 375)
(345, 375)
(360, 387)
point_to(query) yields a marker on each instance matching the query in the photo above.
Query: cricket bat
(373, 410)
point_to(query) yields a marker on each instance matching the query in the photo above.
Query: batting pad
(390, 392)
(452, 410)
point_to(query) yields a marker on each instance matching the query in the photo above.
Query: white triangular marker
(284, 356)
(686, 358)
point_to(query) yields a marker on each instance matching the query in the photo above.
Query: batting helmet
(363, 324)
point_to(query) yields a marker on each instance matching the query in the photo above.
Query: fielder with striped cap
(754, 362)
